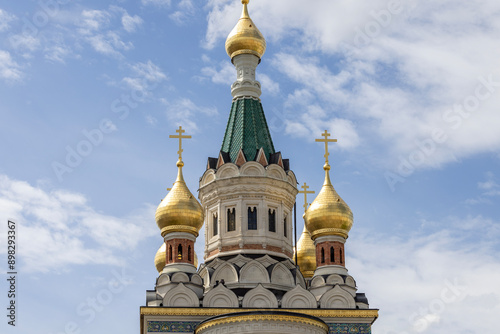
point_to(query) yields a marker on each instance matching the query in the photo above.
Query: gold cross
(180, 131)
(305, 192)
(326, 141)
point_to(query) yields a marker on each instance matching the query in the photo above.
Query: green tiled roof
(247, 129)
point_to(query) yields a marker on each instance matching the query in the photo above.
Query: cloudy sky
(91, 90)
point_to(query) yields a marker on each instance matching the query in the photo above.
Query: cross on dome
(305, 192)
(326, 141)
(180, 131)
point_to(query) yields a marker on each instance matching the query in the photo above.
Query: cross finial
(326, 141)
(305, 192)
(180, 131)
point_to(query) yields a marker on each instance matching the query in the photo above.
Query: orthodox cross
(305, 192)
(180, 131)
(326, 141)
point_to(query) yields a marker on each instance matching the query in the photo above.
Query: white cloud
(10, 71)
(439, 281)
(109, 44)
(225, 75)
(146, 77)
(184, 112)
(268, 85)
(396, 77)
(94, 20)
(156, 2)
(185, 10)
(131, 23)
(5, 19)
(59, 228)
(24, 42)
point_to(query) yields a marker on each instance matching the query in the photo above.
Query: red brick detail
(249, 246)
(326, 249)
(182, 254)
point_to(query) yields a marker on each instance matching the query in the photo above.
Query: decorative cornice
(321, 313)
(262, 317)
(329, 231)
(179, 228)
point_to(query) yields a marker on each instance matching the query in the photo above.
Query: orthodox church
(251, 280)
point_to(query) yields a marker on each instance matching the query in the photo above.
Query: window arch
(332, 254)
(252, 218)
(170, 253)
(215, 225)
(341, 259)
(231, 220)
(285, 228)
(179, 252)
(189, 254)
(322, 255)
(272, 220)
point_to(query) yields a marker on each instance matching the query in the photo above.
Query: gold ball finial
(245, 38)
(180, 163)
(326, 167)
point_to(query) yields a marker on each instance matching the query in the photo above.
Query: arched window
(285, 232)
(252, 218)
(322, 255)
(231, 220)
(332, 254)
(170, 253)
(179, 252)
(189, 253)
(341, 259)
(272, 220)
(215, 225)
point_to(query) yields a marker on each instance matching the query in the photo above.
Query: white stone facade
(265, 189)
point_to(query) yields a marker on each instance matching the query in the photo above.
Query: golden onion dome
(179, 211)
(245, 38)
(328, 213)
(306, 254)
(161, 258)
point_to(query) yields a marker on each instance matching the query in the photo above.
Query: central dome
(245, 38)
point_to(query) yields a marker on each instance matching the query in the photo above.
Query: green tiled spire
(247, 129)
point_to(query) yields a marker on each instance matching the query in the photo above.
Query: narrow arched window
(252, 218)
(341, 259)
(231, 220)
(170, 253)
(272, 220)
(189, 253)
(332, 254)
(215, 225)
(285, 228)
(322, 255)
(179, 252)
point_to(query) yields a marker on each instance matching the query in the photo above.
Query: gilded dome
(328, 213)
(245, 38)
(161, 258)
(306, 254)
(179, 211)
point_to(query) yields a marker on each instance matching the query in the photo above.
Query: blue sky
(91, 90)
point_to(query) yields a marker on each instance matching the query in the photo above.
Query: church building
(251, 280)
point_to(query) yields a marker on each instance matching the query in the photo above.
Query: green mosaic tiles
(247, 129)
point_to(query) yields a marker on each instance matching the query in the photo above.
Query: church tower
(250, 280)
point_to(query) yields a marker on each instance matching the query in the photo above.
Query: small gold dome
(161, 258)
(328, 213)
(179, 211)
(306, 254)
(245, 37)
